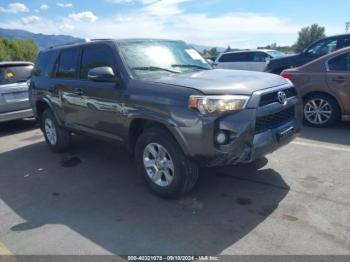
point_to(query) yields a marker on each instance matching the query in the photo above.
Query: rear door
(257, 61)
(13, 87)
(338, 78)
(236, 61)
(65, 86)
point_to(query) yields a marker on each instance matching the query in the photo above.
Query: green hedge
(18, 50)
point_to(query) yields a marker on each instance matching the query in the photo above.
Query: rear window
(44, 64)
(15, 74)
(234, 57)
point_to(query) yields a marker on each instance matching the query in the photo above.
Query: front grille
(275, 120)
(272, 97)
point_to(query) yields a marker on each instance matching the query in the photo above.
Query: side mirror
(102, 74)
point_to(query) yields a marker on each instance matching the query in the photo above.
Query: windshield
(15, 74)
(276, 54)
(157, 58)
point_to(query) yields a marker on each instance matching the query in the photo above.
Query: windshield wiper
(154, 68)
(191, 66)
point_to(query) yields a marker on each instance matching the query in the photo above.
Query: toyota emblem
(282, 97)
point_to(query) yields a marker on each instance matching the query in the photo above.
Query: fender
(49, 103)
(164, 120)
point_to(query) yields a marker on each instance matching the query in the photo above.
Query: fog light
(221, 138)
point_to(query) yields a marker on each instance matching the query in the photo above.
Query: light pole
(347, 27)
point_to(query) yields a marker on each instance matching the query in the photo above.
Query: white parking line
(4, 250)
(336, 148)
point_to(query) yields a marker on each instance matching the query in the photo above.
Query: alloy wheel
(50, 131)
(318, 111)
(158, 164)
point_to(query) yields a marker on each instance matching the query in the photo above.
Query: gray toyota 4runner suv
(161, 99)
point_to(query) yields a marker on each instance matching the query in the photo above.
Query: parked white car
(250, 60)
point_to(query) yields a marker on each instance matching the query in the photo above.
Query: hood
(286, 60)
(224, 82)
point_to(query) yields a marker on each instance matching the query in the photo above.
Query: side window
(67, 65)
(346, 41)
(259, 57)
(323, 47)
(234, 57)
(224, 58)
(44, 63)
(340, 63)
(95, 56)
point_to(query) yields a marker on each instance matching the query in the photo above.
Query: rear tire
(165, 168)
(320, 110)
(57, 137)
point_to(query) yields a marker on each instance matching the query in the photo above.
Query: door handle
(339, 79)
(78, 91)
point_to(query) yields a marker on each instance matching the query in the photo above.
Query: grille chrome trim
(272, 97)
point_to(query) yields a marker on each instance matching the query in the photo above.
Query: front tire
(320, 110)
(57, 138)
(160, 160)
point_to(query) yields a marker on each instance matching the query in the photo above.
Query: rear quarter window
(15, 74)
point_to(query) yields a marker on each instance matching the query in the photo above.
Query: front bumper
(20, 114)
(249, 140)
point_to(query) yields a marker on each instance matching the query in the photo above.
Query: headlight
(213, 105)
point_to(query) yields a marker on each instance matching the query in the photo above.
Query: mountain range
(45, 41)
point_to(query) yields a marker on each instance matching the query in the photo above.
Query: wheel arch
(41, 105)
(138, 125)
(307, 95)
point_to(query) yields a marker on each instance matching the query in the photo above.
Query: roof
(87, 41)
(15, 63)
(249, 51)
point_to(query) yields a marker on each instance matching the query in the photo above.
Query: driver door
(103, 111)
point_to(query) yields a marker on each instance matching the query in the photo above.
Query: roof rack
(100, 39)
(71, 43)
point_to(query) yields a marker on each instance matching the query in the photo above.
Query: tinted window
(67, 67)
(346, 42)
(95, 56)
(259, 57)
(15, 74)
(340, 63)
(234, 57)
(322, 48)
(275, 53)
(44, 64)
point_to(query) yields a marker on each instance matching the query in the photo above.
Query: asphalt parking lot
(90, 201)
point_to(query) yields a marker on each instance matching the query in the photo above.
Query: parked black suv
(315, 50)
(163, 101)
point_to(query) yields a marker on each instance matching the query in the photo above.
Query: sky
(238, 23)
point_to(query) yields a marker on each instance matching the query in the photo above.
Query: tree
(18, 50)
(228, 49)
(307, 35)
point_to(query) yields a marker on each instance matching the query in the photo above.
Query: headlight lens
(213, 105)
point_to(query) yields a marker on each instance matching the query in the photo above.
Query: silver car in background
(250, 60)
(14, 101)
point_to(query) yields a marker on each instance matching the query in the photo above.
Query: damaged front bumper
(254, 133)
